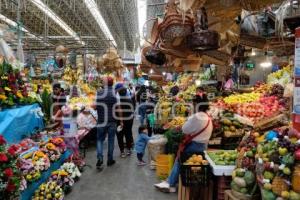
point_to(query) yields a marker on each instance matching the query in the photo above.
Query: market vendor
(59, 100)
(198, 130)
(201, 92)
(228, 83)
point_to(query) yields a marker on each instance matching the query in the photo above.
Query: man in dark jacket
(106, 107)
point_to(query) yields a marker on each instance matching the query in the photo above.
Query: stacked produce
(281, 77)
(71, 76)
(242, 98)
(196, 160)
(243, 177)
(164, 110)
(10, 175)
(222, 157)
(176, 122)
(231, 127)
(76, 103)
(277, 173)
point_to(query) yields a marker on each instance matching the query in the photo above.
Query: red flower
(11, 187)
(3, 157)
(8, 172)
(13, 149)
(2, 140)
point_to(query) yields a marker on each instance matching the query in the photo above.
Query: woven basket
(252, 41)
(174, 25)
(254, 5)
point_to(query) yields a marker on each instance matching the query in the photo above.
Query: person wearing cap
(106, 103)
(197, 130)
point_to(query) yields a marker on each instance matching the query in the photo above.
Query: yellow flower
(39, 154)
(34, 87)
(7, 89)
(50, 146)
(3, 97)
(19, 94)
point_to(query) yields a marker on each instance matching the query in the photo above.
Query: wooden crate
(195, 193)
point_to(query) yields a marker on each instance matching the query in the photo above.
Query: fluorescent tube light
(56, 19)
(93, 8)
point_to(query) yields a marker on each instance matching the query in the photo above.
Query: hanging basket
(204, 40)
(252, 41)
(255, 5)
(175, 27)
(155, 56)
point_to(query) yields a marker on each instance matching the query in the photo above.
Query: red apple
(297, 154)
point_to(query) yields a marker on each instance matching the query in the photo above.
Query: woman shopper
(197, 129)
(127, 110)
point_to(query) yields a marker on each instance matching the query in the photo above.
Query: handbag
(202, 38)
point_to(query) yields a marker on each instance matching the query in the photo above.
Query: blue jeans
(193, 147)
(111, 130)
(142, 112)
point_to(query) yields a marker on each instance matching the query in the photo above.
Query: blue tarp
(31, 188)
(18, 123)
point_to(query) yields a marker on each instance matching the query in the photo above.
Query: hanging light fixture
(267, 63)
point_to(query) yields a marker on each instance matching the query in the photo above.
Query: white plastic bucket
(69, 126)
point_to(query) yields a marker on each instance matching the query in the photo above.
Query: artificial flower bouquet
(72, 169)
(63, 179)
(50, 190)
(13, 89)
(59, 143)
(51, 151)
(10, 175)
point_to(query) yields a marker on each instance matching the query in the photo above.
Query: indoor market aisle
(123, 181)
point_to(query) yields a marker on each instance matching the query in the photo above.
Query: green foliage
(174, 139)
(46, 104)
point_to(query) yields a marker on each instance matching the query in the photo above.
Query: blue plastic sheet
(18, 123)
(31, 188)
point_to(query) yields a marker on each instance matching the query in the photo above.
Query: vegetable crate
(164, 164)
(194, 175)
(195, 192)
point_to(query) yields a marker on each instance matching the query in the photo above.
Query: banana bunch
(264, 88)
(71, 76)
(177, 122)
(242, 98)
(180, 109)
(87, 89)
(77, 102)
(281, 77)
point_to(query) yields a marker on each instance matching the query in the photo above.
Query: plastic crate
(194, 175)
(164, 164)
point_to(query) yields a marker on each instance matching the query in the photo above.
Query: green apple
(282, 151)
(286, 171)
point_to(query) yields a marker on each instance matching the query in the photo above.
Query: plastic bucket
(69, 126)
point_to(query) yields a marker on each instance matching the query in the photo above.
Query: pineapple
(296, 179)
(279, 185)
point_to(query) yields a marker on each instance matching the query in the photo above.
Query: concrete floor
(123, 181)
